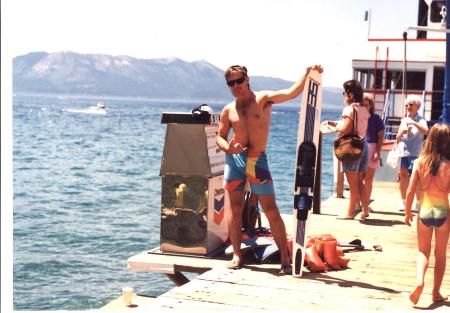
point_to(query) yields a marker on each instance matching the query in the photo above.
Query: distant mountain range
(72, 73)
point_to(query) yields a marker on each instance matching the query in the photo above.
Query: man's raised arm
(294, 91)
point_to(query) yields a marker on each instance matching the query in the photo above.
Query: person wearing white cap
(410, 137)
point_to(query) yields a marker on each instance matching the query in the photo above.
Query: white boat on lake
(99, 108)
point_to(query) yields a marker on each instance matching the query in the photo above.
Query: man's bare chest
(248, 114)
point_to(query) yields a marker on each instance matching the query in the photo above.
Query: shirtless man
(249, 117)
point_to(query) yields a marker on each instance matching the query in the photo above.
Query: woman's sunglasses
(238, 81)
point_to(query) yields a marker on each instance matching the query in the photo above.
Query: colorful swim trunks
(254, 167)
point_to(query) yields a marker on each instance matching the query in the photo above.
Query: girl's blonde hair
(436, 147)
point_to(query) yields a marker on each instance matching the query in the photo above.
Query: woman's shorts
(359, 165)
(408, 163)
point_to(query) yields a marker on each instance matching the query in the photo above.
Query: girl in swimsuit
(432, 174)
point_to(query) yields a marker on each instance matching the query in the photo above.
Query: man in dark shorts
(245, 159)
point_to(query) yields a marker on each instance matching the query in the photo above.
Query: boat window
(394, 80)
(435, 11)
(437, 94)
(379, 80)
(422, 18)
(366, 78)
(415, 80)
(438, 78)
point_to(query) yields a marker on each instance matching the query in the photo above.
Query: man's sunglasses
(238, 81)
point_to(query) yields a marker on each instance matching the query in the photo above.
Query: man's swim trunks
(254, 167)
(434, 208)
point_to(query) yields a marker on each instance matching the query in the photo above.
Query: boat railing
(386, 106)
(389, 120)
(423, 107)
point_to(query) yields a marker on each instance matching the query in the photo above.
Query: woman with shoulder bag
(354, 120)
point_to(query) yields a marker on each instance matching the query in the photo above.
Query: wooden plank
(171, 304)
(374, 280)
(170, 264)
(138, 301)
(292, 294)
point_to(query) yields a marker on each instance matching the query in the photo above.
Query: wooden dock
(374, 280)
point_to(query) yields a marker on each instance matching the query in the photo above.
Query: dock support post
(340, 181)
(178, 278)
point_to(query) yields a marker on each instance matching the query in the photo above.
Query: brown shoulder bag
(349, 147)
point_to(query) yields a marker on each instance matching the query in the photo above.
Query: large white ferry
(410, 63)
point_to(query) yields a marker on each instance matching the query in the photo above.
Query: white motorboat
(99, 108)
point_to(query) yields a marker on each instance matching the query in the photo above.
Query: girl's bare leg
(424, 236)
(363, 195)
(368, 181)
(353, 182)
(440, 254)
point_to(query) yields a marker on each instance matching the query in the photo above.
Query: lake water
(87, 195)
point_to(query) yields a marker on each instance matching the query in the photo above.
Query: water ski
(305, 168)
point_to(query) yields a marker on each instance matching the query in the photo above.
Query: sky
(276, 38)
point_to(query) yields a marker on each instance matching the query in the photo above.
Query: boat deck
(374, 280)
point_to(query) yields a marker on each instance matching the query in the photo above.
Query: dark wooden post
(339, 181)
(178, 278)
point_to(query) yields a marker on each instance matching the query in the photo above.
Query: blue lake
(87, 195)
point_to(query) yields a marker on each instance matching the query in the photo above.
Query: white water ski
(306, 163)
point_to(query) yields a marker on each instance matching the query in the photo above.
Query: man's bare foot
(235, 263)
(438, 297)
(345, 217)
(364, 216)
(415, 295)
(286, 269)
